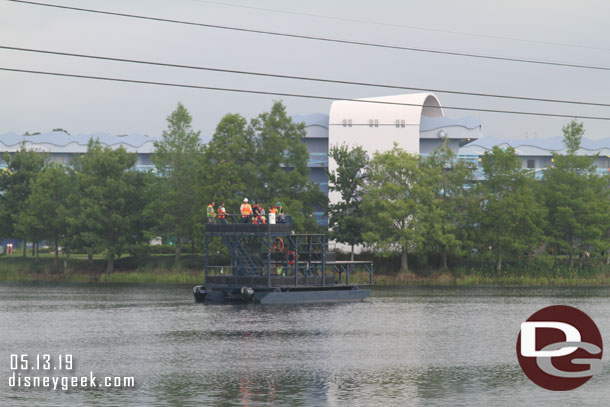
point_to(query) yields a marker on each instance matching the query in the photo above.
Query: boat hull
(304, 295)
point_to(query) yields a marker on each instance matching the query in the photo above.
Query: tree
(265, 161)
(22, 166)
(572, 136)
(396, 204)
(346, 216)
(509, 219)
(449, 180)
(228, 164)
(112, 199)
(282, 172)
(176, 159)
(47, 208)
(576, 197)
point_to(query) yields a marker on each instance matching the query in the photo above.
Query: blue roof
(315, 119)
(550, 143)
(428, 123)
(544, 147)
(61, 139)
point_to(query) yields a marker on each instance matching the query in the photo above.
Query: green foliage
(47, 209)
(229, 164)
(346, 215)
(282, 172)
(15, 183)
(572, 136)
(264, 161)
(177, 158)
(111, 200)
(576, 197)
(396, 204)
(510, 220)
(447, 218)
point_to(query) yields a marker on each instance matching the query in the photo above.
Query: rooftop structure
(537, 154)
(62, 147)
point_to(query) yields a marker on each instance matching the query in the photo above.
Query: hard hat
(245, 199)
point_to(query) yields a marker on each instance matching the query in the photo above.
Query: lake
(411, 346)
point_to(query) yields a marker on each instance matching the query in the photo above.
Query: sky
(572, 32)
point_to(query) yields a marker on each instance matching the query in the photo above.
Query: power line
(316, 38)
(297, 95)
(304, 78)
(412, 27)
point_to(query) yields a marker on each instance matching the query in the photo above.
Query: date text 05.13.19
(44, 361)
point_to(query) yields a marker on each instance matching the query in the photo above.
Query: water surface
(403, 346)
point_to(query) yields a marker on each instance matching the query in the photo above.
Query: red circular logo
(559, 348)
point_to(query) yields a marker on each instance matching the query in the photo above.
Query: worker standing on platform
(222, 213)
(255, 212)
(281, 218)
(210, 212)
(259, 213)
(272, 212)
(246, 211)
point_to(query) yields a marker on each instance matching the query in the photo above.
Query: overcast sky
(574, 32)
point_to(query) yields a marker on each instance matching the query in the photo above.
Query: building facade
(62, 147)
(537, 154)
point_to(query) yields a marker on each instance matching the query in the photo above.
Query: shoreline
(190, 276)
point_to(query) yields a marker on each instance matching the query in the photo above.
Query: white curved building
(377, 123)
(416, 122)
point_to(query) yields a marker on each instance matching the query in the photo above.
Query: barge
(271, 264)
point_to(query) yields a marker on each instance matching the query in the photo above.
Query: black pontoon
(270, 264)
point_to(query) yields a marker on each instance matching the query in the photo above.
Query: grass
(447, 279)
(160, 269)
(152, 269)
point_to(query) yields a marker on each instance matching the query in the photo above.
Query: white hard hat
(245, 199)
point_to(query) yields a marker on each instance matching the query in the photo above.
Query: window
(370, 122)
(402, 123)
(531, 163)
(349, 123)
(397, 123)
(344, 122)
(376, 123)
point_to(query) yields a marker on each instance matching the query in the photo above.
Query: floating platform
(281, 295)
(270, 264)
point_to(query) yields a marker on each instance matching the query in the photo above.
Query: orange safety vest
(222, 212)
(245, 209)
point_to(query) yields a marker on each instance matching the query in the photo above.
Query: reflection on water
(407, 346)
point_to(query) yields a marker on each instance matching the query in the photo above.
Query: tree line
(397, 203)
(394, 203)
(100, 203)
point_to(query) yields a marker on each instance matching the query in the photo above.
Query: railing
(301, 274)
(234, 218)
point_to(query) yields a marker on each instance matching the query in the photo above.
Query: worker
(281, 217)
(246, 211)
(222, 213)
(260, 215)
(272, 212)
(254, 212)
(210, 212)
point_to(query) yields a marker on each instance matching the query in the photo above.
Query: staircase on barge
(270, 264)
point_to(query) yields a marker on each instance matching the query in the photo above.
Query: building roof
(428, 123)
(315, 119)
(386, 109)
(61, 142)
(537, 147)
